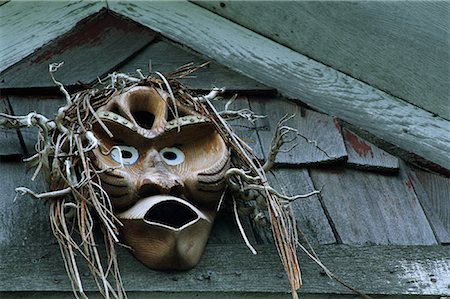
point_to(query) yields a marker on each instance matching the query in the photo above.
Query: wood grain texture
(370, 208)
(242, 127)
(25, 220)
(27, 26)
(440, 231)
(166, 56)
(225, 230)
(47, 106)
(365, 155)
(193, 295)
(93, 48)
(9, 139)
(224, 269)
(438, 189)
(297, 76)
(357, 37)
(319, 139)
(309, 214)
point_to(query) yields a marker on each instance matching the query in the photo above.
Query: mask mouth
(165, 211)
(171, 213)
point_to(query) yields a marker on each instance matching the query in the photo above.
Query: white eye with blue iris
(172, 156)
(125, 154)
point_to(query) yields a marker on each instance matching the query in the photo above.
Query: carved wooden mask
(167, 192)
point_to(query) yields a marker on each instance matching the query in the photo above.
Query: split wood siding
(380, 205)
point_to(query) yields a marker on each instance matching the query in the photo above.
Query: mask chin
(166, 232)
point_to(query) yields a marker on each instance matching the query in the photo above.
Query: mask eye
(172, 155)
(129, 154)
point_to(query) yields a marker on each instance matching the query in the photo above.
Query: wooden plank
(9, 140)
(365, 155)
(388, 270)
(319, 139)
(94, 47)
(371, 208)
(166, 56)
(27, 26)
(356, 38)
(25, 220)
(192, 295)
(438, 190)
(242, 127)
(45, 105)
(441, 232)
(309, 214)
(297, 76)
(225, 230)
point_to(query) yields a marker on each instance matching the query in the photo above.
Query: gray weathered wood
(193, 295)
(27, 26)
(167, 56)
(309, 214)
(225, 230)
(414, 270)
(24, 221)
(370, 208)
(9, 140)
(321, 141)
(356, 38)
(297, 76)
(47, 106)
(365, 155)
(90, 50)
(438, 189)
(441, 232)
(242, 127)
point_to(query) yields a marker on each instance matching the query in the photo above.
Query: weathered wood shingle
(165, 56)
(365, 155)
(9, 139)
(45, 105)
(93, 48)
(370, 208)
(438, 191)
(319, 139)
(309, 214)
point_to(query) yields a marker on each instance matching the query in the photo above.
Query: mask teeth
(185, 120)
(117, 119)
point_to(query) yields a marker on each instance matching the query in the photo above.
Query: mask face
(166, 192)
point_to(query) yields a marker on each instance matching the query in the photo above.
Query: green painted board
(91, 50)
(400, 47)
(387, 270)
(28, 25)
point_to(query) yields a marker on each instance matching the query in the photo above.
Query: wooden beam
(297, 76)
(357, 38)
(96, 46)
(383, 270)
(29, 25)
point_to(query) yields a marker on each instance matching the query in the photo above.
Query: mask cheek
(204, 189)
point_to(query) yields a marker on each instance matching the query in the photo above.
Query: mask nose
(159, 183)
(157, 179)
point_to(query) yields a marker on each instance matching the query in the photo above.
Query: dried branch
(279, 139)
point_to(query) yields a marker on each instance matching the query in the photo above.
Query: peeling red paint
(360, 147)
(337, 125)
(88, 32)
(409, 184)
